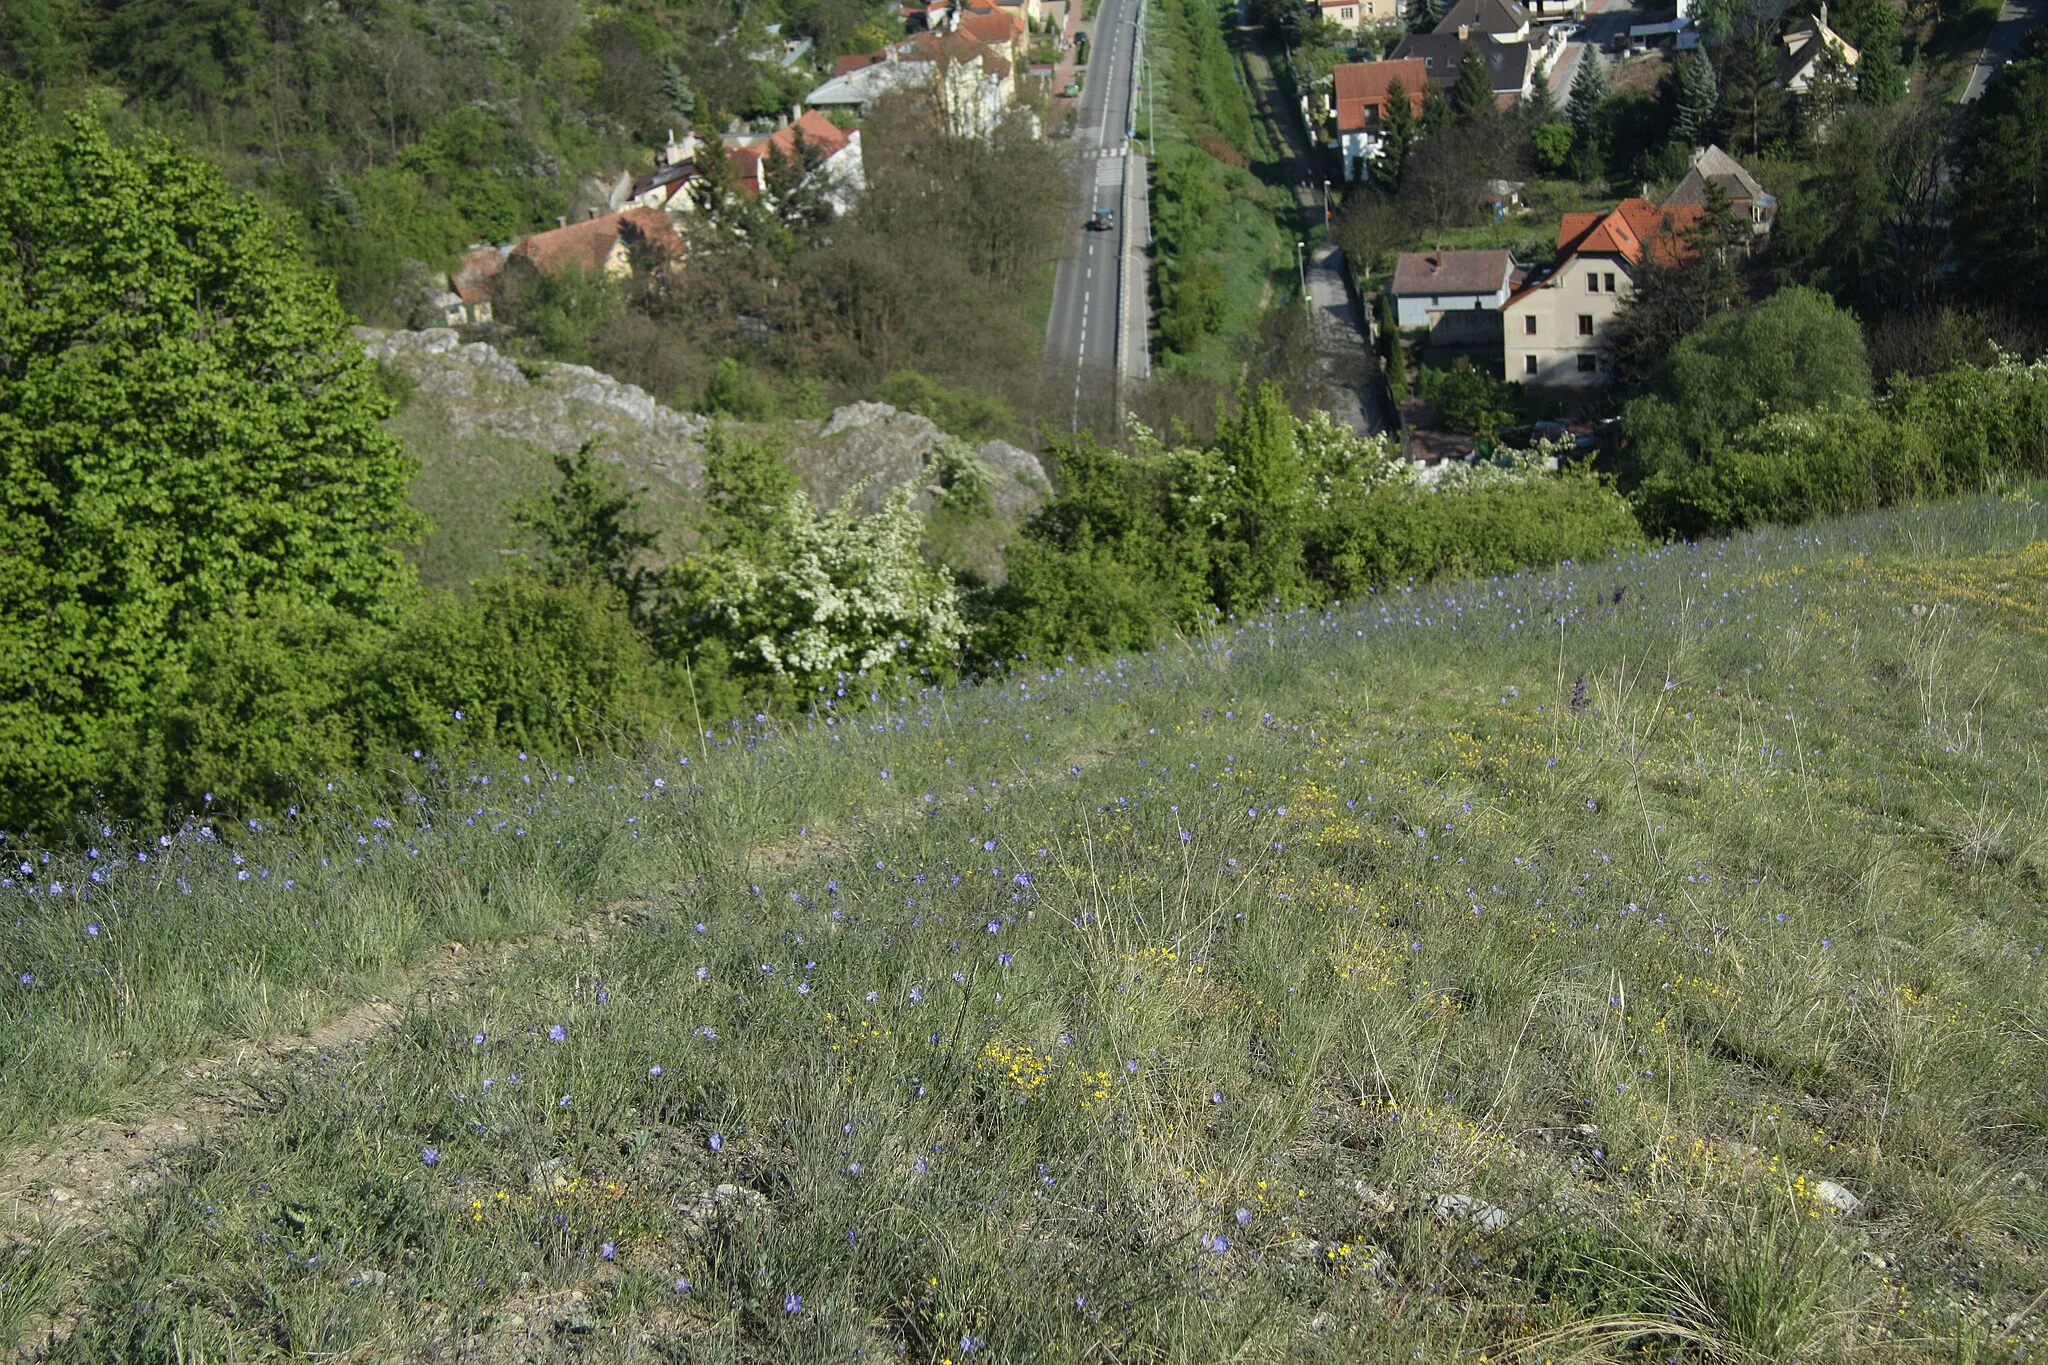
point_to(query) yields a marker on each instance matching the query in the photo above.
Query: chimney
(796, 111)
(1464, 32)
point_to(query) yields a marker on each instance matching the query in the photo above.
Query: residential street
(1097, 329)
(2015, 22)
(1350, 367)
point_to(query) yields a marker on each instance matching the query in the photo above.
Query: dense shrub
(1928, 438)
(1279, 509)
(287, 692)
(1401, 532)
(185, 425)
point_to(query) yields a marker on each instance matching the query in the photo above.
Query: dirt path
(73, 1183)
(1350, 368)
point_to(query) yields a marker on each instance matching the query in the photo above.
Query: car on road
(1102, 220)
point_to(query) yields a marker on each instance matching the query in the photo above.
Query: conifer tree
(1472, 94)
(1397, 136)
(1699, 95)
(1589, 92)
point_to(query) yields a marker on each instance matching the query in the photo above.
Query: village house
(1360, 92)
(1747, 198)
(975, 84)
(1807, 51)
(1558, 326)
(1503, 20)
(1357, 14)
(839, 169)
(1511, 65)
(1456, 295)
(602, 246)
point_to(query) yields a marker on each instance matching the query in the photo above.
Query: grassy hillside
(1638, 960)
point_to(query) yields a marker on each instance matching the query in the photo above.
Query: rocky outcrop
(556, 407)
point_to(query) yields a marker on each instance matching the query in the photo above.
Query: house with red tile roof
(602, 245)
(1558, 326)
(838, 150)
(1361, 92)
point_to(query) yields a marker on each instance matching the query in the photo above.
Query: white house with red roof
(839, 170)
(1558, 326)
(1361, 92)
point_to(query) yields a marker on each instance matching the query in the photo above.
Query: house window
(1610, 282)
(1588, 364)
(1592, 281)
(1347, 12)
(1435, 300)
(1528, 364)
(1529, 325)
(1585, 324)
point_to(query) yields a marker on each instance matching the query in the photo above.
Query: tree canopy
(185, 424)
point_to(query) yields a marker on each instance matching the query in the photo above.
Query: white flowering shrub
(827, 595)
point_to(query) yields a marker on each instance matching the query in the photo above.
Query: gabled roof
(1501, 18)
(671, 177)
(471, 278)
(997, 28)
(1506, 63)
(587, 245)
(1712, 165)
(1633, 229)
(817, 131)
(1452, 272)
(1363, 85)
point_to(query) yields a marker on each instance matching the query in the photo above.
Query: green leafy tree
(1699, 96)
(1541, 106)
(1551, 144)
(185, 424)
(1472, 92)
(589, 528)
(1792, 353)
(1256, 535)
(1669, 302)
(1468, 400)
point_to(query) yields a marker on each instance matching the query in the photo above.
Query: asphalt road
(1089, 300)
(2015, 21)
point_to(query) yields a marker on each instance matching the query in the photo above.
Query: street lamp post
(1302, 270)
(1326, 201)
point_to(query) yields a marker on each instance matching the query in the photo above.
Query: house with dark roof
(1361, 92)
(1430, 285)
(1748, 199)
(1511, 65)
(1558, 325)
(1505, 20)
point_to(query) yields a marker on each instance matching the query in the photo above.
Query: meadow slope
(1634, 960)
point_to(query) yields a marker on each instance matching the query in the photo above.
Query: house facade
(1510, 65)
(839, 171)
(975, 84)
(1746, 198)
(1360, 91)
(1429, 284)
(1558, 328)
(1355, 15)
